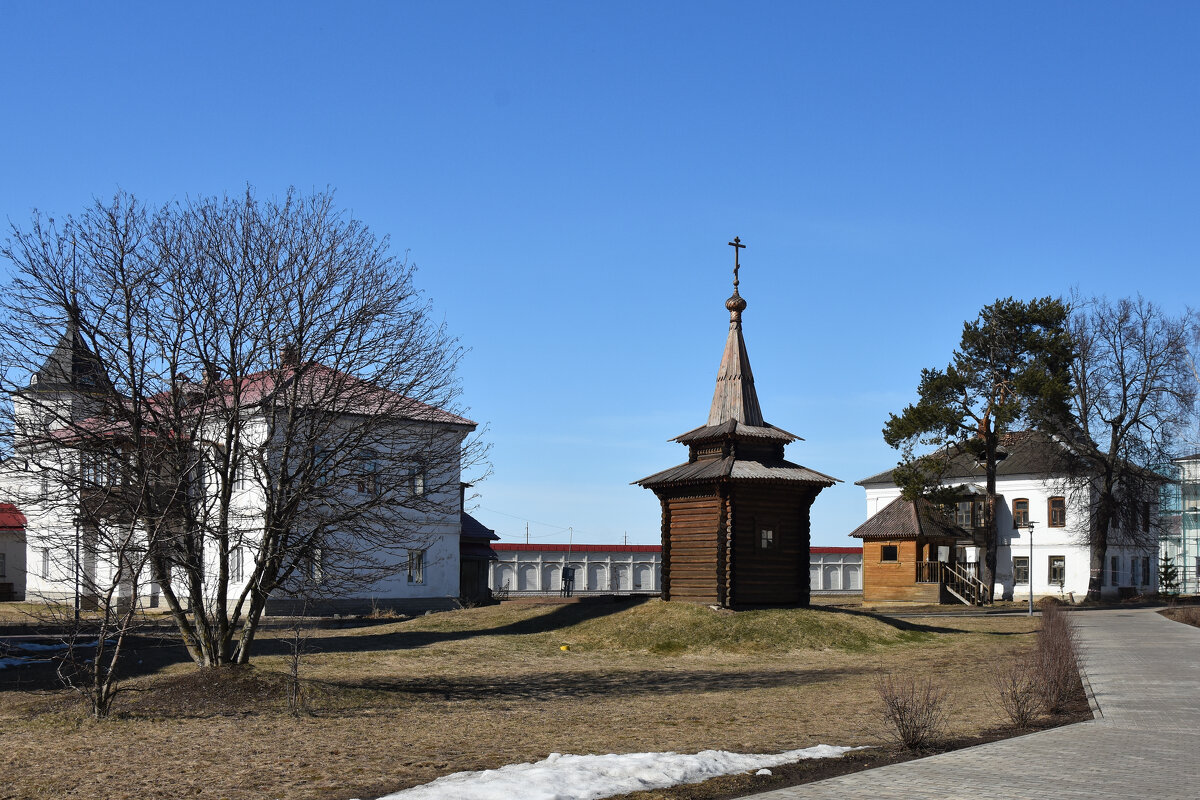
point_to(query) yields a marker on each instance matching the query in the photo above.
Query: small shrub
(1056, 659)
(914, 709)
(1018, 692)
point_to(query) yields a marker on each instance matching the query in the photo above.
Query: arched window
(1058, 512)
(1020, 512)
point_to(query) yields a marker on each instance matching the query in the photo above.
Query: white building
(537, 569)
(418, 506)
(1182, 541)
(835, 570)
(1054, 555)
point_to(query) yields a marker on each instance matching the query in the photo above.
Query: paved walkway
(1144, 672)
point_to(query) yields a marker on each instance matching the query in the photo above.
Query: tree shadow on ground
(563, 616)
(894, 622)
(581, 685)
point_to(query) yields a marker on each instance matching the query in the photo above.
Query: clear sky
(566, 175)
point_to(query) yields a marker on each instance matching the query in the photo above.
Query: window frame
(1050, 515)
(416, 567)
(1114, 563)
(1019, 564)
(883, 559)
(1020, 518)
(1060, 567)
(766, 538)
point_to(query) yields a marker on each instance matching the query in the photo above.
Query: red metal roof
(582, 548)
(835, 549)
(11, 516)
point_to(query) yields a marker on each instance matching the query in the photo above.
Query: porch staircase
(962, 584)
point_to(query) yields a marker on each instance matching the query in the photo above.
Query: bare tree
(1134, 395)
(282, 408)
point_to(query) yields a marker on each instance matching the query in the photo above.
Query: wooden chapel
(735, 516)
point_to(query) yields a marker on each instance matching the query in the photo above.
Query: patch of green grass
(669, 628)
(676, 628)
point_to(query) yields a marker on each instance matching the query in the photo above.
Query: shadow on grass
(894, 622)
(561, 617)
(546, 686)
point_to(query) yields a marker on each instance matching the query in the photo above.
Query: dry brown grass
(1187, 614)
(399, 704)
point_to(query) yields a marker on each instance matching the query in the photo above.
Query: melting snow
(568, 777)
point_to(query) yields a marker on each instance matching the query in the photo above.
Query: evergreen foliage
(1009, 371)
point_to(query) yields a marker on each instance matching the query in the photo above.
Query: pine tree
(1168, 576)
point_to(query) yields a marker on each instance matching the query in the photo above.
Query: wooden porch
(959, 580)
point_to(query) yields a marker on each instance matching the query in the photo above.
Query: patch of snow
(763, 772)
(591, 777)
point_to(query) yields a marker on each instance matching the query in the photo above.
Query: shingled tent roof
(69, 365)
(737, 468)
(1026, 453)
(732, 427)
(735, 414)
(906, 519)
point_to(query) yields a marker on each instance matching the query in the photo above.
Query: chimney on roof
(290, 357)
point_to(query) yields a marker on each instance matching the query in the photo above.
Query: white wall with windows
(532, 569)
(1181, 543)
(834, 570)
(1060, 563)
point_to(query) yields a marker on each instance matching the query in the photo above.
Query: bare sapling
(913, 708)
(1018, 692)
(1056, 659)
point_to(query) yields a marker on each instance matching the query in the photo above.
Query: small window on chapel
(889, 552)
(766, 539)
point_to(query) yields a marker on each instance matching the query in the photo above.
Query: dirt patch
(224, 691)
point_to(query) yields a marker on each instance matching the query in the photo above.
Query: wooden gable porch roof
(907, 519)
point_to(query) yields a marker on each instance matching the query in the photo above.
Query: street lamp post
(76, 569)
(1029, 569)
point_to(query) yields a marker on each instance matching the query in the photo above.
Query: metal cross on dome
(736, 244)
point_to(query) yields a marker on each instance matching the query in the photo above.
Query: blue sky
(566, 176)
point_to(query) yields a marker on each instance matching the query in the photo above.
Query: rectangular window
(416, 483)
(1145, 570)
(1020, 512)
(416, 566)
(1058, 512)
(1058, 570)
(1114, 564)
(3, 573)
(1133, 571)
(889, 552)
(962, 516)
(313, 566)
(766, 539)
(236, 565)
(1021, 569)
(368, 481)
(242, 481)
(44, 558)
